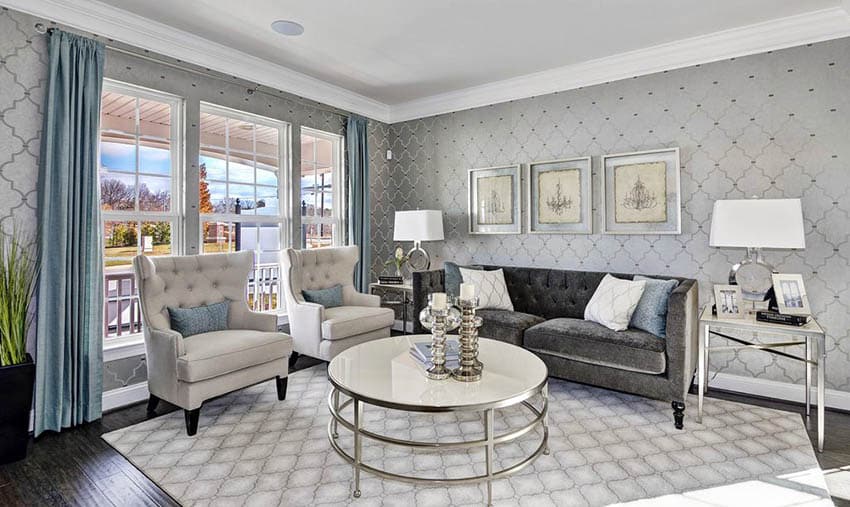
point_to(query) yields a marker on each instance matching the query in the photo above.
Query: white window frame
(284, 156)
(337, 180)
(175, 216)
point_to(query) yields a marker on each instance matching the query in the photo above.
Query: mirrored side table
(399, 297)
(810, 337)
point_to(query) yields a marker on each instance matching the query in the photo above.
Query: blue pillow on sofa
(651, 312)
(200, 319)
(329, 298)
(454, 278)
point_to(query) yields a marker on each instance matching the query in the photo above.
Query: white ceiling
(408, 55)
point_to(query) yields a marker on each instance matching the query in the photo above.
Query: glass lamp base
(753, 275)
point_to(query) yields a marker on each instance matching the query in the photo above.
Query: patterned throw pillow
(454, 278)
(651, 312)
(200, 319)
(329, 298)
(614, 302)
(490, 288)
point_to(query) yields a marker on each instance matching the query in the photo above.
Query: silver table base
(488, 442)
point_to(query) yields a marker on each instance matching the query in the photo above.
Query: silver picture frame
(729, 301)
(641, 192)
(791, 296)
(494, 200)
(559, 195)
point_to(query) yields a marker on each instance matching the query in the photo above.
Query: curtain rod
(42, 29)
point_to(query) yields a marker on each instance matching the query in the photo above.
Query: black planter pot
(16, 385)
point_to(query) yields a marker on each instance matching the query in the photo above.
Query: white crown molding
(118, 24)
(770, 35)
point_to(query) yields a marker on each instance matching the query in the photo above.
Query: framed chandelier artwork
(494, 200)
(559, 197)
(641, 193)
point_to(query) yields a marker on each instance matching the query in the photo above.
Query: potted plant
(399, 259)
(18, 275)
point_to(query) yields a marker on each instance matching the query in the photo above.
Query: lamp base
(753, 275)
(418, 259)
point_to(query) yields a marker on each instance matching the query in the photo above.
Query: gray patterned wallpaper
(771, 125)
(23, 60)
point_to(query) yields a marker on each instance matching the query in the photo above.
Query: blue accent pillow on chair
(651, 312)
(329, 298)
(200, 319)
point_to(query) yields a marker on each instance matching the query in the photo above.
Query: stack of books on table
(421, 353)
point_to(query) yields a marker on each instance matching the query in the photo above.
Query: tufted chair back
(320, 268)
(192, 280)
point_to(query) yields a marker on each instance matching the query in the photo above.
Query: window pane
(264, 281)
(241, 170)
(266, 176)
(246, 204)
(324, 152)
(317, 235)
(240, 135)
(117, 192)
(118, 154)
(308, 190)
(267, 201)
(155, 157)
(217, 237)
(120, 241)
(308, 148)
(154, 119)
(118, 113)
(156, 238)
(324, 193)
(154, 193)
(213, 168)
(213, 131)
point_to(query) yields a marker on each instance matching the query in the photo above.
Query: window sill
(123, 347)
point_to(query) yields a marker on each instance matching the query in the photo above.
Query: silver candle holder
(470, 367)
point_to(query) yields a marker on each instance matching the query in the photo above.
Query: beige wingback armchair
(325, 332)
(186, 371)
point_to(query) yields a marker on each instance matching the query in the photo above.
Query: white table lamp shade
(758, 223)
(418, 225)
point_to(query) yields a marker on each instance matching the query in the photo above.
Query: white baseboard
(778, 390)
(123, 396)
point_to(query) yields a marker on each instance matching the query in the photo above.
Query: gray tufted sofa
(549, 320)
(325, 332)
(188, 371)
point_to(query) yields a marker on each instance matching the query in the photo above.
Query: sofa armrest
(682, 337)
(162, 348)
(425, 283)
(256, 321)
(305, 326)
(360, 299)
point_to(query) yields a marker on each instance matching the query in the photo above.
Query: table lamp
(755, 224)
(418, 226)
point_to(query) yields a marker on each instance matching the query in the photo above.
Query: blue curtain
(69, 340)
(359, 230)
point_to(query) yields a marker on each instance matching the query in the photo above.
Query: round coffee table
(382, 373)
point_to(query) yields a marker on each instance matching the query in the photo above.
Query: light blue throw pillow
(200, 319)
(651, 312)
(329, 298)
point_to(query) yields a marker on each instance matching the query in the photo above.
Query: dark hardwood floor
(76, 467)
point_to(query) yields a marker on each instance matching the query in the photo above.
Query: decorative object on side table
(494, 200)
(18, 275)
(641, 193)
(755, 224)
(728, 301)
(399, 259)
(418, 226)
(791, 298)
(559, 197)
(470, 368)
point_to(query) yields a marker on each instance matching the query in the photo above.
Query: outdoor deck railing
(122, 314)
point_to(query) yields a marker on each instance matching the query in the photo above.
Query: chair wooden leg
(292, 360)
(281, 387)
(192, 417)
(153, 401)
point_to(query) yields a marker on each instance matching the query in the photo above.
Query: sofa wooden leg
(281, 387)
(153, 401)
(678, 414)
(192, 417)
(293, 358)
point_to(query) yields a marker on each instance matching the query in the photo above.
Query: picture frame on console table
(729, 301)
(791, 297)
(641, 192)
(494, 200)
(559, 196)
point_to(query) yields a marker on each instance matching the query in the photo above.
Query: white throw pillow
(489, 287)
(614, 302)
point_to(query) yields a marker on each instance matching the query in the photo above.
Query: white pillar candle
(438, 301)
(467, 291)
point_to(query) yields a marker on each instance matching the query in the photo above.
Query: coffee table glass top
(383, 373)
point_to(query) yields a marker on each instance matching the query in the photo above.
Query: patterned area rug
(606, 448)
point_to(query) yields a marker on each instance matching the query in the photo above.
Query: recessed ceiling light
(287, 27)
